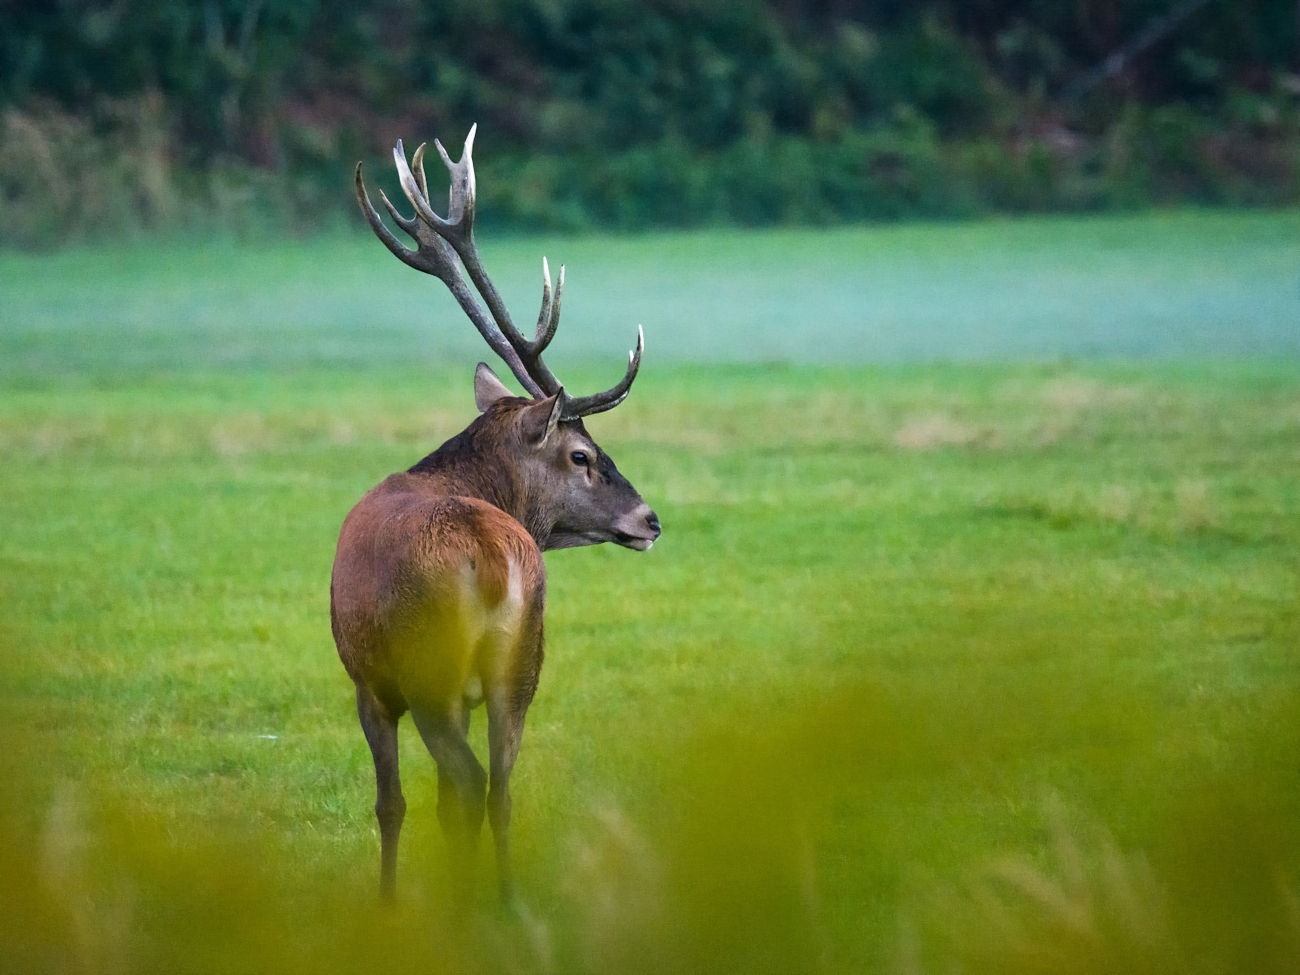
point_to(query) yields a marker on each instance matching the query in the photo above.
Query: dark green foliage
(620, 113)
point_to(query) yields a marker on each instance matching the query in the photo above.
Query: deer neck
(499, 484)
(467, 467)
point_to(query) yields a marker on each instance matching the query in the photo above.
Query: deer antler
(433, 256)
(439, 242)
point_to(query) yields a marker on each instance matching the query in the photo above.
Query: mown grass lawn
(995, 663)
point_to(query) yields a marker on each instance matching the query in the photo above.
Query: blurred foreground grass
(935, 669)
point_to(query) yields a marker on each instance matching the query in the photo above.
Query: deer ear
(487, 388)
(541, 418)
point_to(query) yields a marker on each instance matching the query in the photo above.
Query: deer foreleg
(390, 806)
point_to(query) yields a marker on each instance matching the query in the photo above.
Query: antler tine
(417, 162)
(463, 193)
(548, 319)
(409, 224)
(578, 406)
(434, 256)
(403, 254)
(544, 316)
(419, 199)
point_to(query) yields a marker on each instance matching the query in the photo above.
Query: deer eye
(579, 457)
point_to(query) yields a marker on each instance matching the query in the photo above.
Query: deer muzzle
(638, 529)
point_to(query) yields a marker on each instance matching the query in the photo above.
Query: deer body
(439, 588)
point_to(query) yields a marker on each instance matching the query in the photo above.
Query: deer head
(532, 457)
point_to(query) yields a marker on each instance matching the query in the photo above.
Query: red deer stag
(438, 588)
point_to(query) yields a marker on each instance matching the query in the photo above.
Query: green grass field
(989, 663)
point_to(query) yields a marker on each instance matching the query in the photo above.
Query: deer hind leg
(505, 730)
(442, 728)
(507, 703)
(390, 807)
(449, 807)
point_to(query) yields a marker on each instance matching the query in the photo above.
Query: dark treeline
(138, 113)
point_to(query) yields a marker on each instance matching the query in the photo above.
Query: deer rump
(437, 600)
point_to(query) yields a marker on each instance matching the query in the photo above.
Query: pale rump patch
(491, 634)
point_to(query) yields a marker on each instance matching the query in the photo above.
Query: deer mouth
(637, 542)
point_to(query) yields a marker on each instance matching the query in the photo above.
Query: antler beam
(443, 246)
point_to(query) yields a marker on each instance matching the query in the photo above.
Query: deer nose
(652, 520)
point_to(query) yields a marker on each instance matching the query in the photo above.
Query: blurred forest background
(133, 115)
